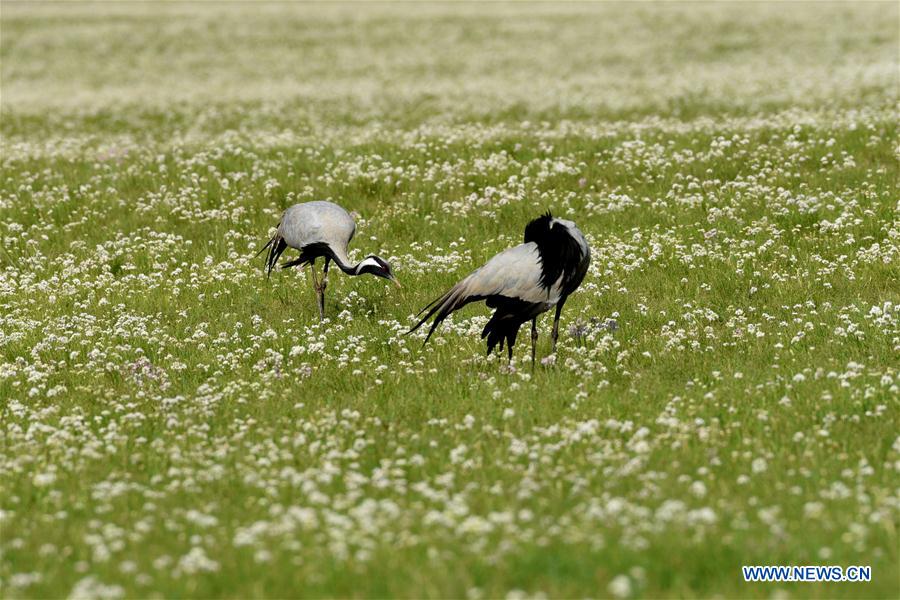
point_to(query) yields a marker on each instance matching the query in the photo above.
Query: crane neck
(343, 263)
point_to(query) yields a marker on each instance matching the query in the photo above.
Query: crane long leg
(323, 285)
(534, 337)
(319, 297)
(555, 335)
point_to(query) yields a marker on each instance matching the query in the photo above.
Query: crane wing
(514, 274)
(318, 222)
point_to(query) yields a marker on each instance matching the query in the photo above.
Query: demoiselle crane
(321, 229)
(521, 283)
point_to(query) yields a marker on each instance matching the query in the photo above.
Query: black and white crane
(321, 229)
(521, 283)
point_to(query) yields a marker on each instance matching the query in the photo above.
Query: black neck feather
(312, 251)
(559, 251)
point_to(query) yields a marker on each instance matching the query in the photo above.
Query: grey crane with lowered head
(323, 229)
(521, 283)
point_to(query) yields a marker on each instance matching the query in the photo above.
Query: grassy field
(726, 388)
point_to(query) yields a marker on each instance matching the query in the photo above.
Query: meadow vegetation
(726, 388)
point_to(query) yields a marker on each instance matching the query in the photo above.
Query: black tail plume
(276, 247)
(452, 301)
(443, 306)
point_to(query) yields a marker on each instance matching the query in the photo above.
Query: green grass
(175, 425)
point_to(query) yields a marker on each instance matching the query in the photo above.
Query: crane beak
(397, 283)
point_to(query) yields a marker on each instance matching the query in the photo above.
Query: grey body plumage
(521, 283)
(320, 229)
